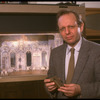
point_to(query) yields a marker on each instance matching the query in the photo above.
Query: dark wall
(27, 22)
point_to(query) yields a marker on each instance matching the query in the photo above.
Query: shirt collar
(77, 47)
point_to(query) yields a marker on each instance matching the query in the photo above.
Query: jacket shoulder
(59, 48)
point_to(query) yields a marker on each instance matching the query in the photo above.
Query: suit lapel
(62, 62)
(82, 59)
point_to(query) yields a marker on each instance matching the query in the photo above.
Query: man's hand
(70, 90)
(50, 85)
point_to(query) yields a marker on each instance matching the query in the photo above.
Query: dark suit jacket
(87, 70)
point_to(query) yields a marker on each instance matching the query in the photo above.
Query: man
(85, 81)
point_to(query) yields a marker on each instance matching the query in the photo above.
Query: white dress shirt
(68, 54)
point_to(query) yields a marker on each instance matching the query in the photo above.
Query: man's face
(69, 29)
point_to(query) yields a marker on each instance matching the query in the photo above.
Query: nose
(67, 30)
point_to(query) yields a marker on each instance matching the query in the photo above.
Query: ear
(81, 27)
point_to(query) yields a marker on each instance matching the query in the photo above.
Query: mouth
(69, 37)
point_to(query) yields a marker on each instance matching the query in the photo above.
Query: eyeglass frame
(70, 27)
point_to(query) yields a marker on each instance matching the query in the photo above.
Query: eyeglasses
(70, 27)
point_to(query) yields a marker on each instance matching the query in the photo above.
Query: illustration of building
(25, 54)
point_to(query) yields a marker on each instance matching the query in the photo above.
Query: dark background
(27, 22)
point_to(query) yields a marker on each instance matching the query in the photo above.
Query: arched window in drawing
(44, 59)
(4, 60)
(13, 59)
(28, 58)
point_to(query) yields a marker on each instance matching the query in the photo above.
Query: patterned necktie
(70, 67)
